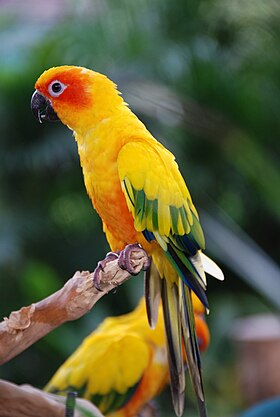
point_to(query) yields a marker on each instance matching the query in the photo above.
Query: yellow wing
(161, 205)
(105, 369)
(155, 191)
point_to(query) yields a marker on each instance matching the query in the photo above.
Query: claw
(125, 262)
(97, 274)
(124, 258)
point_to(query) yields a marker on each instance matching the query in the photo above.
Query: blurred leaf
(38, 280)
(234, 248)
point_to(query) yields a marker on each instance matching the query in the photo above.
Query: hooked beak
(42, 108)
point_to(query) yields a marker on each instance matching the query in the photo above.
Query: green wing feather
(176, 229)
(113, 400)
(167, 220)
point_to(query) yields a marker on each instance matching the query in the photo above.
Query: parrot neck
(93, 118)
(105, 102)
(107, 131)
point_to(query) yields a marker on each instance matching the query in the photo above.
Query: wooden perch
(29, 324)
(26, 401)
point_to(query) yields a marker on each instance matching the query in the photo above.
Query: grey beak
(42, 108)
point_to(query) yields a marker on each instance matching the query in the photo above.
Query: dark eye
(56, 88)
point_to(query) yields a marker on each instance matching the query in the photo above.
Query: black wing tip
(202, 408)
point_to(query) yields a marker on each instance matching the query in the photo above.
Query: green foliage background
(204, 77)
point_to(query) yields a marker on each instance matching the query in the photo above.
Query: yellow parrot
(136, 188)
(122, 365)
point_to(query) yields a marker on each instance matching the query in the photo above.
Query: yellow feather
(121, 370)
(150, 188)
(189, 214)
(163, 219)
(137, 178)
(181, 230)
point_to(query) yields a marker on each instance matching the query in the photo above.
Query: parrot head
(74, 95)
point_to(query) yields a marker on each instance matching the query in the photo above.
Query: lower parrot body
(125, 211)
(123, 364)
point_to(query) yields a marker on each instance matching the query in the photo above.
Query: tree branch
(26, 401)
(27, 325)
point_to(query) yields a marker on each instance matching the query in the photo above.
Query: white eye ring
(56, 88)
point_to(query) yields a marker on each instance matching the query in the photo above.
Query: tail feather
(179, 317)
(152, 294)
(197, 264)
(173, 332)
(186, 270)
(211, 267)
(191, 346)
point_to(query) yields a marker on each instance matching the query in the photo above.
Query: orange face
(63, 93)
(77, 96)
(65, 86)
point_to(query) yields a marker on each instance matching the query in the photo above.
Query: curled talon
(97, 274)
(125, 261)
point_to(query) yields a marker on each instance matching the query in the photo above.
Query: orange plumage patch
(202, 331)
(76, 93)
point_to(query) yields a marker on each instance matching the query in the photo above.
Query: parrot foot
(125, 261)
(97, 274)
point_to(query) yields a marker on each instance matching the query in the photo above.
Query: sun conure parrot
(123, 364)
(136, 187)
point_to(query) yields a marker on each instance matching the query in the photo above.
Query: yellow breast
(98, 151)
